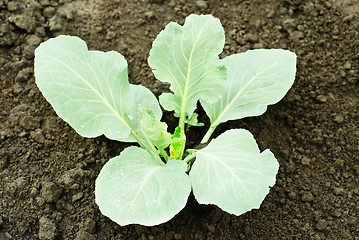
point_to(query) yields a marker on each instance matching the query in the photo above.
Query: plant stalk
(209, 133)
(190, 157)
(163, 153)
(148, 146)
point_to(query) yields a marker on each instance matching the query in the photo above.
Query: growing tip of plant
(178, 143)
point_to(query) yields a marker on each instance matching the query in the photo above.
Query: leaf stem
(209, 133)
(148, 146)
(181, 125)
(163, 153)
(190, 157)
(181, 121)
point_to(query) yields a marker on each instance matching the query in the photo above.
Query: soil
(47, 171)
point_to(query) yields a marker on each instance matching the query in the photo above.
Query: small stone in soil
(305, 160)
(157, 1)
(66, 180)
(177, 236)
(202, 4)
(55, 23)
(337, 213)
(49, 12)
(34, 40)
(37, 136)
(322, 224)
(17, 88)
(347, 65)
(331, 170)
(258, 45)
(250, 37)
(289, 24)
(29, 122)
(75, 187)
(25, 22)
(322, 98)
(24, 75)
(77, 196)
(47, 229)
(169, 235)
(296, 35)
(292, 195)
(110, 35)
(357, 169)
(33, 192)
(50, 192)
(89, 225)
(307, 197)
(338, 191)
(338, 119)
(12, 6)
(82, 235)
(149, 14)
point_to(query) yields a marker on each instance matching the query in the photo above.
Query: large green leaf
(232, 173)
(135, 188)
(90, 89)
(187, 57)
(256, 78)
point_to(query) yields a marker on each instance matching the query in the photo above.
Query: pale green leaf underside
(255, 79)
(135, 188)
(187, 57)
(90, 89)
(232, 173)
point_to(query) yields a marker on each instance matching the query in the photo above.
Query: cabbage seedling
(149, 184)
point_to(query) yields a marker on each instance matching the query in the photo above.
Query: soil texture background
(48, 171)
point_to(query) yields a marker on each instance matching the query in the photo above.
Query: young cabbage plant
(149, 184)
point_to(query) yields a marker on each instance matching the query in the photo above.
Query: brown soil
(47, 171)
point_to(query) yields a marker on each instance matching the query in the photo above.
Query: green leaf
(143, 98)
(135, 188)
(256, 78)
(154, 129)
(178, 143)
(90, 89)
(193, 121)
(187, 57)
(232, 173)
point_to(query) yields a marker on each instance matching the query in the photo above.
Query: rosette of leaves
(148, 184)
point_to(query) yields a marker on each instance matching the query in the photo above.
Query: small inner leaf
(154, 129)
(193, 121)
(232, 173)
(178, 144)
(135, 188)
